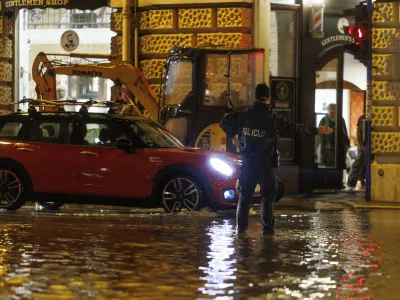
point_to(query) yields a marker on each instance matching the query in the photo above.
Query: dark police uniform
(257, 129)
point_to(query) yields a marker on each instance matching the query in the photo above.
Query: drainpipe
(261, 31)
(136, 35)
(126, 31)
(368, 108)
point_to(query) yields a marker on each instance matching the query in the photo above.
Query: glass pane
(92, 136)
(50, 18)
(82, 89)
(104, 135)
(325, 113)
(54, 132)
(34, 25)
(216, 80)
(246, 73)
(179, 81)
(10, 131)
(154, 136)
(178, 127)
(283, 43)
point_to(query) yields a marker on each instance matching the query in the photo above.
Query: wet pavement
(81, 253)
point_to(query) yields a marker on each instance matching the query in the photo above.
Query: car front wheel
(181, 192)
(12, 189)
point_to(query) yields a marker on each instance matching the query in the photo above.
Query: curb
(331, 204)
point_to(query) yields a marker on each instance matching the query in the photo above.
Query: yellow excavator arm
(44, 74)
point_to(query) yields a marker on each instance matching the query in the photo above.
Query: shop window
(83, 20)
(283, 43)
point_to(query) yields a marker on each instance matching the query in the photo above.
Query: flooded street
(81, 254)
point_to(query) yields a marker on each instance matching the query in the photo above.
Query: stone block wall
(386, 102)
(224, 24)
(7, 26)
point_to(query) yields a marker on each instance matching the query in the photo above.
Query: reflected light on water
(220, 272)
(336, 255)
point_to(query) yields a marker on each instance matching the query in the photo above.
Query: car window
(11, 131)
(103, 134)
(52, 132)
(153, 136)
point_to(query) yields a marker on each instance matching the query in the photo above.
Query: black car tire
(181, 192)
(14, 187)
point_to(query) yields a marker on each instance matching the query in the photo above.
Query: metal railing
(50, 18)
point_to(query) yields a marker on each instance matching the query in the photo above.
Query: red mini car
(59, 157)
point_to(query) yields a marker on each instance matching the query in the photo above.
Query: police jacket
(258, 127)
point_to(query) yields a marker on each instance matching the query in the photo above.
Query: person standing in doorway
(357, 171)
(328, 142)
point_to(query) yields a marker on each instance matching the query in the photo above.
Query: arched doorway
(339, 102)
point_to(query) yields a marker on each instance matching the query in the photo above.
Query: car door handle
(89, 153)
(25, 149)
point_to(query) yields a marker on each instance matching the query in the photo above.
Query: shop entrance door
(330, 151)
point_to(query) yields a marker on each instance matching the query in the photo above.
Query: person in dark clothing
(257, 129)
(357, 171)
(328, 142)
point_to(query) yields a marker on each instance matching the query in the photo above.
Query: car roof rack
(118, 107)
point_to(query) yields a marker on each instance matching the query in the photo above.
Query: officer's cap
(262, 92)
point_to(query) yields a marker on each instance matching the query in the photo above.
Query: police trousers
(256, 169)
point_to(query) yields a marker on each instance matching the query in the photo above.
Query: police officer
(257, 129)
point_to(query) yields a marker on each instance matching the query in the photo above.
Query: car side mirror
(124, 144)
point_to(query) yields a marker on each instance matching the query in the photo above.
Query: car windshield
(154, 136)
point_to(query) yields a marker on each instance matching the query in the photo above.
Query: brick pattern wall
(186, 25)
(7, 26)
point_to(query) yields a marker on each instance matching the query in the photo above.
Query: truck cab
(202, 85)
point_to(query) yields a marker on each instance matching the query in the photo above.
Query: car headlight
(221, 166)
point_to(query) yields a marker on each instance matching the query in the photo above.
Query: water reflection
(220, 272)
(313, 256)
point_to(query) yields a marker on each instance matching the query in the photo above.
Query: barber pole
(317, 20)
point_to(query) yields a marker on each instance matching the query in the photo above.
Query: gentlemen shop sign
(343, 39)
(9, 5)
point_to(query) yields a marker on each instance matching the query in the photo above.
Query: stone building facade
(7, 37)
(385, 171)
(191, 25)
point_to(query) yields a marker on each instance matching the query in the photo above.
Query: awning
(10, 5)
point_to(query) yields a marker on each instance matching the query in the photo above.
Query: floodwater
(93, 254)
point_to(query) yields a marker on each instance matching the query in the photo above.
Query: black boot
(240, 230)
(268, 231)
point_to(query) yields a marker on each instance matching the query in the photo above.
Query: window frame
(108, 123)
(190, 94)
(138, 140)
(203, 96)
(20, 137)
(296, 9)
(39, 121)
